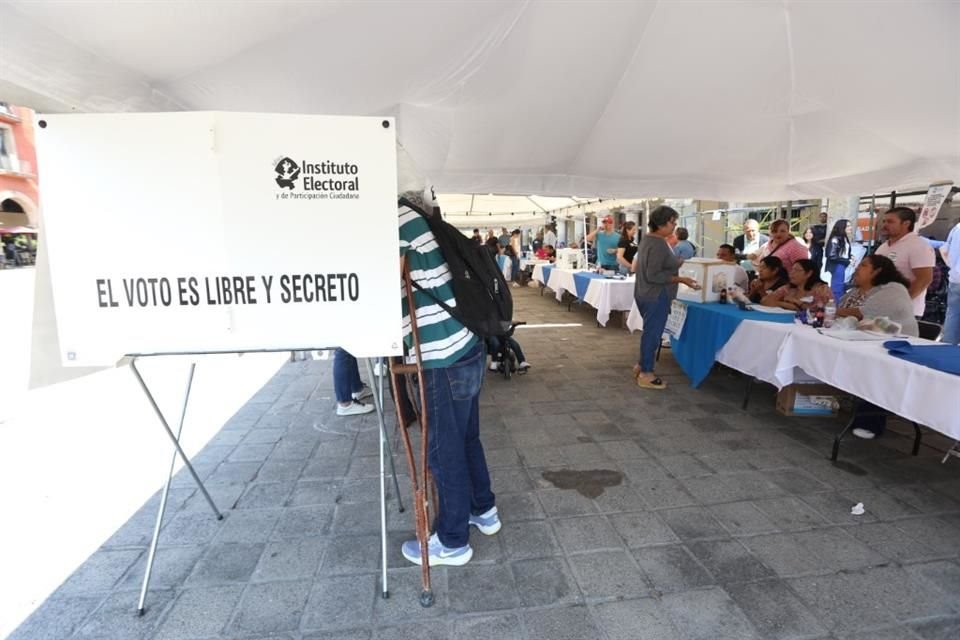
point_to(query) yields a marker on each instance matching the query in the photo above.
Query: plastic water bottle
(829, 313)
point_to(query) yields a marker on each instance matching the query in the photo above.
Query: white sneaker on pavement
(353, 409)
(363, 394)
(866, 434)
(494, 365)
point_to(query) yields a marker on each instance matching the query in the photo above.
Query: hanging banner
(220, 232)
(936, 196)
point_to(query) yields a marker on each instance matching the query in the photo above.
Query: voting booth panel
(217, 232)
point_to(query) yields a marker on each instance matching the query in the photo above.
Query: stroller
(506, 353)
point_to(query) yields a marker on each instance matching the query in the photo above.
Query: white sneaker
(488, 523)
(438, 553)
(353, 409)
(866, 434)
(524, 366)
(516, 284)
(494, 365)
(363, 394)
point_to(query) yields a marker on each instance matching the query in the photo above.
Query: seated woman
(879, 291)
(547, 252)
(770, 276)
(805, 289)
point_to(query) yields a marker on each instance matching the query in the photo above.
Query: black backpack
(484, 304)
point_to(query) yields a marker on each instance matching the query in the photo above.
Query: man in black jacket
(749, 241)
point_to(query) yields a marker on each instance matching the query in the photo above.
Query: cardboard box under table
(808, 400)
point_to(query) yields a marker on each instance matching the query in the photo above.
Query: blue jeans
(454, 451)
(346, 376)
(838, 276)
(951, 324)
(514, 267)
(654, 314)
(494, 346)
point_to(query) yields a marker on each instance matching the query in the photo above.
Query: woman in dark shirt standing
(838, 257)
(627, 247)
(655, 289)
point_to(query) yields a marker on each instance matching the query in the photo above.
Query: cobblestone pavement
(724, 524)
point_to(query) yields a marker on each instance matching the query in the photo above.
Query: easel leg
(384, 444)
(151, 555)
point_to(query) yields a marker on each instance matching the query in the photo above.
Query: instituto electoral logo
(325, 180)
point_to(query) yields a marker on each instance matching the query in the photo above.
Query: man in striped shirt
(453, 365)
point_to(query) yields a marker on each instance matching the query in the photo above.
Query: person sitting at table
(783, 245)
(770, 276)
(727, 253)
(547, 252)
(880, 290)
(627, 247)
(804, 290)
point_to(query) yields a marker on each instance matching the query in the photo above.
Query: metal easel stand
(952, 451)
(178, 451)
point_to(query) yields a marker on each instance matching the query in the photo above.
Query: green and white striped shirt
(443, 339)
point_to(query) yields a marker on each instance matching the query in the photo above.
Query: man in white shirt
(912, 255)
(550, 238)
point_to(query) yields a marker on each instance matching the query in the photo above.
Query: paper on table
(760, 307)
(853, 334)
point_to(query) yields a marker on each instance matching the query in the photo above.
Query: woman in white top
(880, 291)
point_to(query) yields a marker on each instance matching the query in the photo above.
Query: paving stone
(405, 586)
(731, 487)
(642, 529)
(545, 581)
(56, 617)
(251, 452)
(475, 588)
(662, 492)
(299, 522)
(201, 612)
(290, 559)
(672, 568)
(643, 619)
(356, 518)
(684, 466)
(879, 503)
(623, 450)
(728, 561)
(280, 471)
(839, 550)
(693, 523)
(742, 518)
(707, 615)
(501, 627)
(774, 611)
(558, 503)
(936, 534)
(924, 499)
(947, 628)
(311, 492)
(573, 623)
(607, 574)
(116, 619)
(785, 554)
(100, 572)
(233, 473)
(252, 525)
(835, 508)
(726, 461)
(586, 533)
(515, 507)
(790, 514)
(425, 630)
(341, 602)
(510, 480)
(349, 634)
(352, 554)
(265, 495)
(171, 566)
(795, 481)
(533, 539)
(224, 496)
(229, 562)
(620, 499)
(942, 575)
(270, 608)
(319, 467)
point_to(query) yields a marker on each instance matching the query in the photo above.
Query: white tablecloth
(606, 295)
(865, 369)
(531, 262)
(562, 280)
(538, 274)
(783, 354)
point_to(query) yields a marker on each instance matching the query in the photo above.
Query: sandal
(651, 383)
(636, 372)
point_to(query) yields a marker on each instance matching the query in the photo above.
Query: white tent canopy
(764, 100)
(485, 211)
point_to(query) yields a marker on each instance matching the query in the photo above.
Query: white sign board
(218, 232)
(936, 195)
(676, 319)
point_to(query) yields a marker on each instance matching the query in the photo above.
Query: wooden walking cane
(401, 378)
